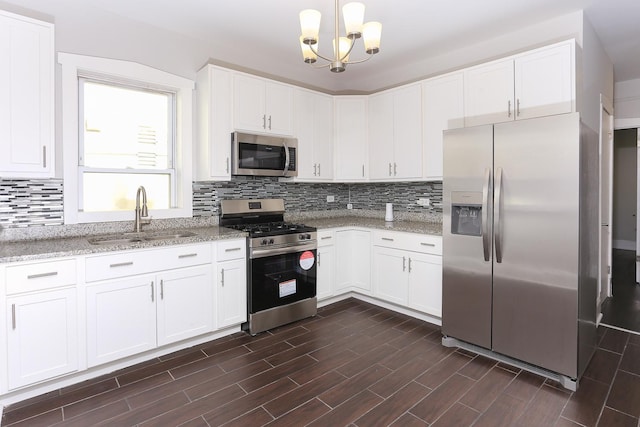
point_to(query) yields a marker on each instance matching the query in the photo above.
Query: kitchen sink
(127, 238)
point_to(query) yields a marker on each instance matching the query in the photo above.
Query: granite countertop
(422, 227)
(26, 250)
(71, 241)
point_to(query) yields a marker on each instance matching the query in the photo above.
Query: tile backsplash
(30, 202)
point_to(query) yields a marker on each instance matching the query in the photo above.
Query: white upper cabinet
(214, 99)
(534, 84)
(26, 97)
(488, 93)
(314, 130)
(395, 134)
(351, 148)
(544, 82)
(443, 108)
(262, 105)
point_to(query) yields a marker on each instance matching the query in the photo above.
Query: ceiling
(263, 35)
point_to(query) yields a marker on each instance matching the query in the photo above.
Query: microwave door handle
(286, 158)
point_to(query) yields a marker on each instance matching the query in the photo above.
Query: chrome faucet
(142, 214)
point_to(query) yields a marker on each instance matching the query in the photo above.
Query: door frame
(606, 106)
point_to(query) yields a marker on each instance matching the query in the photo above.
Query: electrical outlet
(349, 206)
(331, 199)
(423, 202)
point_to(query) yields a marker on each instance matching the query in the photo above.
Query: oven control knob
(264, 242)
(271, 241)
(300, 236)
(308, 236)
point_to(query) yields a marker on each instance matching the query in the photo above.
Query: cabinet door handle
(39, 275)
(162, 289)
(232, 249)
(404, 263)
(325, 237)
(315, 169)
(44, 156)
(363, 171)
(388, 239)
(319, 174)
(13, 316)
(518, 107)
(389, 169)
(269, 121)
(121, 264)
(409, 264)
(318, 259)
(264, 121)
(152, 296)
(509, 108)
(187, 255)
(227, 164)
(428, 244)
(222, 276)
(395, 169)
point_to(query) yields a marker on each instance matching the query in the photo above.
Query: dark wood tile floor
(354, 364)
(623, 309)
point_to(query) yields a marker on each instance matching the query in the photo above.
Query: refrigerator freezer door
(536, 226)
(467, 200)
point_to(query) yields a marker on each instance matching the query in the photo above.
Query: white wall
(597, 77)
(627, 100)
(624, 189)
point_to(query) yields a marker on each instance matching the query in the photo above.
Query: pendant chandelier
(353, 14)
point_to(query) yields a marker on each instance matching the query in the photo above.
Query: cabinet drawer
(40, 275)
(415, 242)
(326, 238)
(232, 249)
(123, 264)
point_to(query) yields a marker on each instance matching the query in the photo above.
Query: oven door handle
(262, 253)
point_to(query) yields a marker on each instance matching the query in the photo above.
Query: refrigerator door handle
(485, 213)
(497, 229)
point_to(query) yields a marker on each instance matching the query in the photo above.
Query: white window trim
(74, 65)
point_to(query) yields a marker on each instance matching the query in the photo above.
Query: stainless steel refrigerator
(520, 236)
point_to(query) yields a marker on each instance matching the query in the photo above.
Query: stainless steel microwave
(263, 155)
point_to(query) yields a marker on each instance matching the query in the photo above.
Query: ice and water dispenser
(466, 213)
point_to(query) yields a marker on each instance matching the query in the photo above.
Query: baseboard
(627, 245)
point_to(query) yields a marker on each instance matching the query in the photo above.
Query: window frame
(125, 73)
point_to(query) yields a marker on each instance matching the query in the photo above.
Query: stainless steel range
(281, 263)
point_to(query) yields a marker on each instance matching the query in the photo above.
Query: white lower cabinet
(326, 272)
(41, 318)
(425, 283)
(231, 279)
(389, 272)
(42, 336)
(353, 261)
(184, 304)
(136, 313)
(121, 318)
(407, 270)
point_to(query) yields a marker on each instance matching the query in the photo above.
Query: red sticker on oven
(306, 260)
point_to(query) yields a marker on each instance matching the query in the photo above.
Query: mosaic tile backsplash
(29, 202)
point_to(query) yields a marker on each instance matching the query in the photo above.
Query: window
(124, 125)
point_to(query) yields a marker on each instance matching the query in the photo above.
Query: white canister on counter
(388, 216)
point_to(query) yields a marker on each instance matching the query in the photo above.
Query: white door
(279, 108)
(121, 319)
(407, 132)
(425, 283)
(185, 304)
(249, 102)
(488, 93)
(326, 271)
(42, 336)
(389, 274)
(351, 154)
(381, 161)
(231, 280)
(323, 136)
